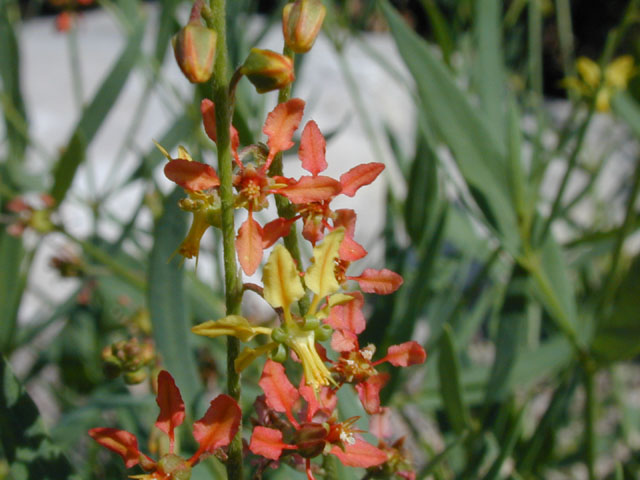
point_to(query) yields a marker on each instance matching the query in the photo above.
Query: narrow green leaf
(422, 196)
(11, 287)
(450, 386)
(506, 447)
(167, 300)
(26, 444)
(541, 444)
(440, 28)
(511, 336)
(556, 291)
(627, 109)
(488, 68)
(11, 83)
(616, 337)
(479, 154)
(93, 116)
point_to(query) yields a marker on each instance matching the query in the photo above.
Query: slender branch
(233, 284)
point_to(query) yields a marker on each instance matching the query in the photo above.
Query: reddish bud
(268, 70)
(301, 23)
(195, 49)
(311, 439)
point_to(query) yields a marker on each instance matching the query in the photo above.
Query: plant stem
(590, 419)
(555, 208)
(233, 285)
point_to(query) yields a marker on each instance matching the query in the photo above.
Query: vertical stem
(590, 420)
(233, 285)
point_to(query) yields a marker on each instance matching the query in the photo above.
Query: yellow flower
(592, 83)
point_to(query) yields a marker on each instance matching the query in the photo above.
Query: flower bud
(301, 23)
(195, 49)
(135, 377)
(279, 335)
(279, 354)
(310, 439)
(268, 70)
(310, 323)
(175, 467)
(324, 332)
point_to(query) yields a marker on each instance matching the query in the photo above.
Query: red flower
(355, 364)
(215, 430)
(317, 432)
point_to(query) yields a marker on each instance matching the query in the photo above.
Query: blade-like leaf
(479, 155)
(167, 301)
(450, 385)
(11, 288)
(93, 116)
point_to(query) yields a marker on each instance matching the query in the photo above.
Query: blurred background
(509, 205)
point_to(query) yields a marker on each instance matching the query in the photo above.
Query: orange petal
(171, 405)
(313, 147)
(405, 354)
(268, 443)
(311, 189)
(208, 109)
(279, 392)
(119, 441)
(218, 426)
(344, 341)
(348, 316)
(369, 392)
(382, 282)
(360, 176)
(360, 454)
(192, 176)
(280, 125)
(249, 245)
(274, 230)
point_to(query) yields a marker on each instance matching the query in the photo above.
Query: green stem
(555, 208)
(590, 420)
(233, 284)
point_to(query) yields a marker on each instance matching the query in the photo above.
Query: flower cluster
(591, 83)
(317, 302)
(335, 310)
(212, 432)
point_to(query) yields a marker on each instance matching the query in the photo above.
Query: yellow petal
(232, 325)
(282, 285)
(320, 276)
(602, 100)
(249, 354)
(183, 154)
(589, 71)
(332, 301)
(618, 72)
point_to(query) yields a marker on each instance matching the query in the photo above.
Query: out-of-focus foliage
(528, 308)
